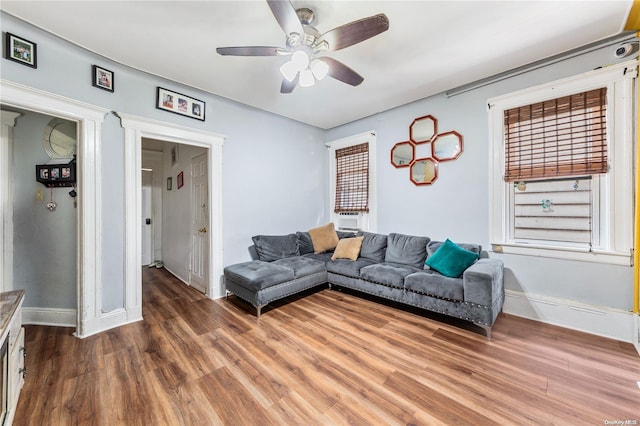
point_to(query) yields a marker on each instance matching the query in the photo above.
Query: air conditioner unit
(349, 221)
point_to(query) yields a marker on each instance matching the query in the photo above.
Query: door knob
(203, 230)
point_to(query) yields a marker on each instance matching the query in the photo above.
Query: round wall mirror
(447, 146)
(424, 171)
(423, 129)
(402, 154)
(60, 138)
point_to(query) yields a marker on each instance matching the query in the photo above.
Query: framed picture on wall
(180, 179)
(21, 50)
(102, 78)
(178, 103)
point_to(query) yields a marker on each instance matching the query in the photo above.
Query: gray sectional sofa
(452, 279)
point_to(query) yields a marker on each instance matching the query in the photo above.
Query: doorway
(175, 216)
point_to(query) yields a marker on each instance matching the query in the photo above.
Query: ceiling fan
(305, 46)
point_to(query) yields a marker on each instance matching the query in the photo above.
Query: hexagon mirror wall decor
(423, 129)
(424, 171)
(438, 147)
(447, 146)
(402, 154)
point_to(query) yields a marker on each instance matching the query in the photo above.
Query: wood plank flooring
(328, 358)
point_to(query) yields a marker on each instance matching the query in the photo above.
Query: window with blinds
(552, 148)
(558, 210)
(560, 161)
(560, 137)
(352, 179)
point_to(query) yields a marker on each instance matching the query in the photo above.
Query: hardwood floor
(329, 358)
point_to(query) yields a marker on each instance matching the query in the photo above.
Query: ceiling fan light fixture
(306, 78)
(300, 59)
(319, 68)
(289, 70)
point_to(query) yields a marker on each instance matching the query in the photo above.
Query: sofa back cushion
(274, 247)
(374, 247)
(305, 245)
(433, 246)
(406, 250)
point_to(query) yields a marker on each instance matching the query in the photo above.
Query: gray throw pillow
(407, 250)
(274, 247)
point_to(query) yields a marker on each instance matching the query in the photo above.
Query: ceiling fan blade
(341, 72)
(288, 86)
(249, 51)
(354, 32)
(286, 16)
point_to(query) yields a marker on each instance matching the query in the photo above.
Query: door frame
(89, 316)
(135, 129)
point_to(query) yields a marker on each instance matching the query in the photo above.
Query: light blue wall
(456, 206)
(275, 170)
(44, 254)
(274, 174)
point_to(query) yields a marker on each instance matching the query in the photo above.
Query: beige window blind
(560, 137)
(352, 179)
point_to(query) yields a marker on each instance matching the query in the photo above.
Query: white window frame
(615, 188)
(366, 221)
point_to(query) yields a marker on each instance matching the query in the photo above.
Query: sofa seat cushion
(348, 268)
(391, 274)
(257, 274)
(435, 284)
(323, 257)
(301, 266)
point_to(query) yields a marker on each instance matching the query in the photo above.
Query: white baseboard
(599, 320)
(49, 316)
(68, 318)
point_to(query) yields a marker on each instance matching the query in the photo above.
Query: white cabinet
(12, 379)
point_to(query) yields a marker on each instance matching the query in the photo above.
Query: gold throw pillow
(348, 248)
(324, 238)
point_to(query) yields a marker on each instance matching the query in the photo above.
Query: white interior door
(147, 234)
(199, 223)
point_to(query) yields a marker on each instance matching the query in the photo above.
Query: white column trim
(89, 118)
(6, 199)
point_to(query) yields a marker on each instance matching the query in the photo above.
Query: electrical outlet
(40, 195)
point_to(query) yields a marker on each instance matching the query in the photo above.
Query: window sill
(613, 258)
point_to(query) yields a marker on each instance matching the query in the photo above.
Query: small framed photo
(169, 183)
(180, 180)
(102, 78)
(178, 103)
(21, 50)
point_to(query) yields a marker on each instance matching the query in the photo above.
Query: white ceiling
(430, 47)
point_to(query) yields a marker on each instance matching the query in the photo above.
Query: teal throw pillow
(451, 260)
